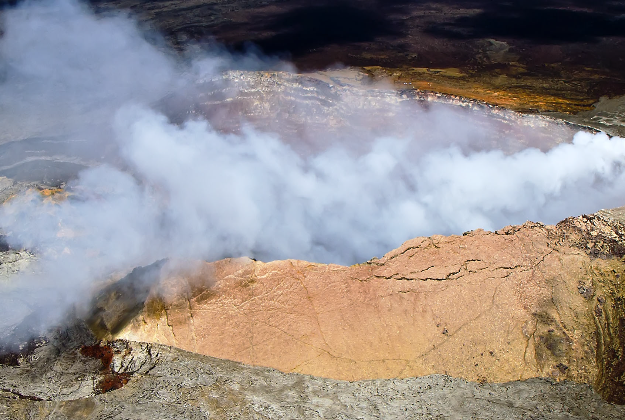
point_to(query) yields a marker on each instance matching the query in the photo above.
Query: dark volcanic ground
(398, 32)
(553, 55)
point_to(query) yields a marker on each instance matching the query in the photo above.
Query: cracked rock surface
(530, 301)
(156, 381)
(526, 322)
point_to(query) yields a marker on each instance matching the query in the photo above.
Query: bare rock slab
(530, 301)
(165, 382)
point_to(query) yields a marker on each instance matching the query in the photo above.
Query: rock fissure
(169, 325)
(192, 325)
(392, 257)
(21, 396)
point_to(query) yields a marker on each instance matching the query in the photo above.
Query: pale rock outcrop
(523, 302)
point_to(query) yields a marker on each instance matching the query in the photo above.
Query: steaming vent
(215, 156)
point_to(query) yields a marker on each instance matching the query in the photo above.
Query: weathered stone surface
(13, 261)
(523, 302)
(163, 382)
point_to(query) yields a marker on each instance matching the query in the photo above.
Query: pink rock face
(523, 302)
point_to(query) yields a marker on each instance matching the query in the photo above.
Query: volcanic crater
(130, 294)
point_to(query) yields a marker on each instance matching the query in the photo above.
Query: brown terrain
(556, 55)
(523, 302)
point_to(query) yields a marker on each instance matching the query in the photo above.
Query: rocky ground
(607, 115)
(525, 322)
(571, 57)
(64, 379)
(524, 302)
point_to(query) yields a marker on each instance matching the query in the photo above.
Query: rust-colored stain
(102, 352)
(110, 380)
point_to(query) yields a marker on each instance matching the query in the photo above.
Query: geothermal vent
(195, 231)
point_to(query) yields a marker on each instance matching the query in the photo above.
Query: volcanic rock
(130, 380)
(571, 56)
(13, 261)
(529, 301)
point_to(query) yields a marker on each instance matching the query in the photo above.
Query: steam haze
(190, 190)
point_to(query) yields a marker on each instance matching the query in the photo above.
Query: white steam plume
(191, 191)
